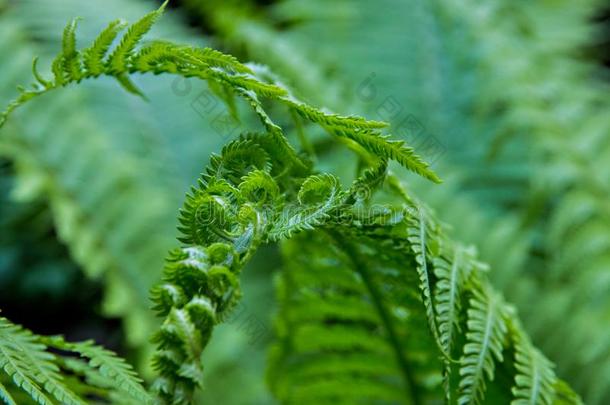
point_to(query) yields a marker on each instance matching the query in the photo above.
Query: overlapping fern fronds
(259, 190)
(42, 374)
(539, 190)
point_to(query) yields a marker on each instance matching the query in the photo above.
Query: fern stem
(357, 264)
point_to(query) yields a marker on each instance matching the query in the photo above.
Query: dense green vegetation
(389, 287)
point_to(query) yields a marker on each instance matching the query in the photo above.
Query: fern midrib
(452, 300)
(4, 395)
(485, 348)
(428, 288)
(24, 378)
(428, 291)
(47, 380)
(401, 358)
(536, 381)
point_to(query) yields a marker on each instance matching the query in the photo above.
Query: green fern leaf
(71, 57)
(277, 138)
(93, 57)
(118, 59)
(317, 198)
(329, 119)
(20, 373)
(43, 82)
(66, 66)
(340, 336)
(486, 332)
(370, 180)
(5, 396)
(383, 146)
(421, 240)
(214, 58)
(128, 85)
(535, 379)
(110, 366)
(447, 296)
(24, 360)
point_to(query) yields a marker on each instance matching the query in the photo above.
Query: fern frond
(281, 146)
(119, 58)
(66, 66)
(382, 146)
(5, 396)
(370, 180)
(70, 56)
(485, 340)
(535, 378)
(31, 368)
(424, 246)
(343, 336)
(13, 343)
(214, 58)
(93, 57)
(200, 289)
(167, 58)
(41, 374)
(317, 198)
(129, 86)
(330, 119)
(564, 395)
(43, 82)
(450, 274)
(122, 375)
(450, 277)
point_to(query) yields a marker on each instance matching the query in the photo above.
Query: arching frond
(40, 374)
(163, 57)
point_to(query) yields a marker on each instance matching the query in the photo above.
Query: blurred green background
(508, 98)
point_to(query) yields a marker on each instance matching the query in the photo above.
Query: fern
(486, 332)
(115, 369)
(93, 56)
(123, 61)
(260, 190)
(101, 218)
(5, 396)
(450, 273)
(534, 383)
(493, 157)
(25, 359)
(118, 59)
(419, 237)
(343, 337)
(16, 342)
